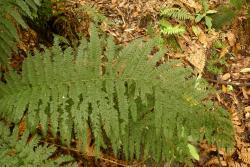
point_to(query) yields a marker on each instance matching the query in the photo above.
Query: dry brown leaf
(231, 38)
(177, 55)
(196, 30)
(245, 92)
(197, 58)
(203, 38)
(89, 150)
(22, 127)
(211, 37)
(192, 4)
(234, 115)
(184, 43)
(247, 115)
(223, 52)
(215, 161)
(22, 46)
(225, 76)
(224, 88)
(247, 109)
(245, 155)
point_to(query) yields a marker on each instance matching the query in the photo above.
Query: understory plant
(205, 14)
(172, 24)
(179, 15)
(116, 95)
(217, 63)
(229, 11)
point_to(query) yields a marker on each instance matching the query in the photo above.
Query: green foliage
(205, 15)
(175, 13)
(193, 152)
(237, 3)
(51, 20)
(215, 64)
(93, 14)
(24, 151)
(169, 29)
(120, 94)
(224, 17)
(44, 14)
(11, 14)
(226, 13)
(172, 43)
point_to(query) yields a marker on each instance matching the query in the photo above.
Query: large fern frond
(119, 94)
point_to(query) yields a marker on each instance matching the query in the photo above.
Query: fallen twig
(228, 83)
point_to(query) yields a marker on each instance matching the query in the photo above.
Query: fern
(176, 13)
(11, 13)
(173, 30)
(169, 29)
(119, 94)
(23, 151)
(93, 13)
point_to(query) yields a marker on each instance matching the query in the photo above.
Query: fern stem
(82, 154)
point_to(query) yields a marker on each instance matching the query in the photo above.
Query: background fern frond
(26, 151)
(94, 14)
(11, 15)
(176, 13)
(173, 30)
(169, 29)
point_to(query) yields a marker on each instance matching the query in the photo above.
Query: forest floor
(140, 18)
